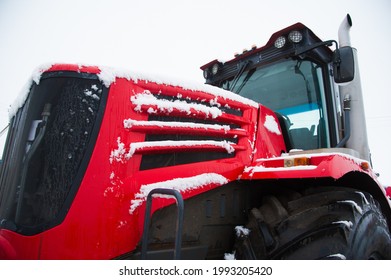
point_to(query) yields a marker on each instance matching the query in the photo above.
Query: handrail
(179, 223)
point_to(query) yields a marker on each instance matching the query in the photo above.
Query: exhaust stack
(344, 31)
(358, 139)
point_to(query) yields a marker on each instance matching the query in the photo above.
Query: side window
(304, 126)
(307, 123)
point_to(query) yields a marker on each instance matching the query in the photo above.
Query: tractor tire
(319, 223)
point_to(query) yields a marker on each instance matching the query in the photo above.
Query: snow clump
(241, 231)
(272, 125)
(179, 184)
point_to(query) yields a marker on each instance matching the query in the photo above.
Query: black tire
(320, 223)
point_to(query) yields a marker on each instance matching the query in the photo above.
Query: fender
(334, 163)
(338, 164)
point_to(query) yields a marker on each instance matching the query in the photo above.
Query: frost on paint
(272, 125)
(119, 153)
(180, 184)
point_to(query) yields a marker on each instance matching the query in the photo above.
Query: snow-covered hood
(108, 75)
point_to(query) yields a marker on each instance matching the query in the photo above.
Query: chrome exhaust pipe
(358, 139)
(344, 31)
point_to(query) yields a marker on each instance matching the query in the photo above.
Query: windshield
(294, 90)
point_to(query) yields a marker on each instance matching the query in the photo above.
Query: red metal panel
(16, 246)
(99, 224)
(268, 143)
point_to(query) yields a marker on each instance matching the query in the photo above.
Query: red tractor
(268, 161)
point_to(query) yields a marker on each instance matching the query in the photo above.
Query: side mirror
(343, 65)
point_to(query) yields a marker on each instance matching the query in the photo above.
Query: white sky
(174, 38)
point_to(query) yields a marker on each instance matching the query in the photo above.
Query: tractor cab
(295, 74)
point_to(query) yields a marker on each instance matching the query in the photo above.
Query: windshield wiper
(307, 84)
(242, 68)
(245, 80)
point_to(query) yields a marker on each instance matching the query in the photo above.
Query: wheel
(320, 223)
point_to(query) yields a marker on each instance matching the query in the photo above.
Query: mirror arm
(328, 43)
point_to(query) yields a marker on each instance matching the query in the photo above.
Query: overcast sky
(176, 37)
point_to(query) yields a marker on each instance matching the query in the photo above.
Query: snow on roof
(179, 184)
(21, 99)
(108, 75)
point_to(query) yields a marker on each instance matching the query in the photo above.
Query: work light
(215, 68)
(295, 36)
(280, 42)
